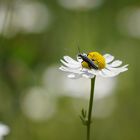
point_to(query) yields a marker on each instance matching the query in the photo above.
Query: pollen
(98, 59)
(85, 65)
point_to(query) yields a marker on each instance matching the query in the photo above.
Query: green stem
(90, 107)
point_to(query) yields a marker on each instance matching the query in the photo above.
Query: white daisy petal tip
(71, 76)
(74, 76)
(75, 69)
(109, 58)
(116, 63)
(60, 68)
(124, 69)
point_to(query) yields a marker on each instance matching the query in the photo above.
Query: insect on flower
(92, 64)
(92, 60)
(87, 61)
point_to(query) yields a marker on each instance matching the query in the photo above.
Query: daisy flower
(4, 130)
(91, 65)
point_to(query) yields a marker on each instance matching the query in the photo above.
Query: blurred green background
(37, 101)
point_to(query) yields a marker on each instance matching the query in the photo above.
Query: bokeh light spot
(38, 105)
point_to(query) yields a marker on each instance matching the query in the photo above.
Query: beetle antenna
(78, 48)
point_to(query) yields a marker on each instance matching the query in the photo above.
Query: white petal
(104, 73)
(101, 73)
(88, 75)
(67, 69)
(109, 58)
(71, 65)
(74, 76)
(70, 60)
(62, 68)
(95, 72)
(108, 73)
(118, 69)
(116, 63)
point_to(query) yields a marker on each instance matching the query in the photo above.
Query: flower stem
(90, 107)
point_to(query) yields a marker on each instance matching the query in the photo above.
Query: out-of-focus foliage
(36, 100)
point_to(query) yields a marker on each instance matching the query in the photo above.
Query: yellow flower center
(97, 58)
